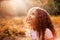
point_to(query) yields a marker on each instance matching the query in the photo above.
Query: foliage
(57, 3)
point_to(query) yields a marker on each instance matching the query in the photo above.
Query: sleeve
(48, 34)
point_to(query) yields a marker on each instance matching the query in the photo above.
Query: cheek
(28, 20)
(32, 16)
(33, 20)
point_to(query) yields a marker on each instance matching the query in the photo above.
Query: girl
(40, 25)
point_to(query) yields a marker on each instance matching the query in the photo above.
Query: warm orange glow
(14, 7)
(17, 3)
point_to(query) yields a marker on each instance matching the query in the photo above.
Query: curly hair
(43, 21)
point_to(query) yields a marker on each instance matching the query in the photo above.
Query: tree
(57, 5)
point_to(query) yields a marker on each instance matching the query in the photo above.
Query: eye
(33, 14)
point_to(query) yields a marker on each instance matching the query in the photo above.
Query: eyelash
(32, 13)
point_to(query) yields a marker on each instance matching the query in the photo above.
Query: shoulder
(48, 33)
(48, 30)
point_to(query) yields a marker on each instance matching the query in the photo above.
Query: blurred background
(15, 7)
(13, 12)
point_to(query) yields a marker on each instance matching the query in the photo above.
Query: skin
(31, 19)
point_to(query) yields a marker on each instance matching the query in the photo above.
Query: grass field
(56, 23)
(15, 24)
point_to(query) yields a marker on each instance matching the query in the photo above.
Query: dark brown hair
(43, 21)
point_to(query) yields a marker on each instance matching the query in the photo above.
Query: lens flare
(18, 5)
(14, 7)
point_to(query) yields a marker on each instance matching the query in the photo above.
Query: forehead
(32, 11)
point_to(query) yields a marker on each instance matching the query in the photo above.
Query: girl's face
(31, 18)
